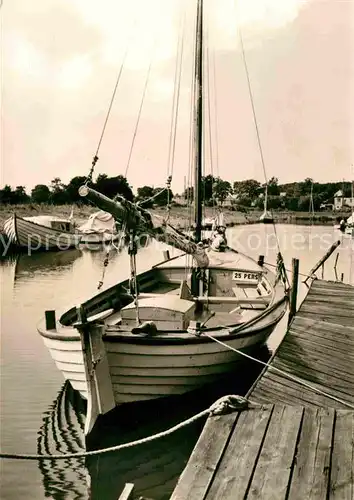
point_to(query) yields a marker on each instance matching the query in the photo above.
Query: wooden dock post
(322, 260)
(293, 289)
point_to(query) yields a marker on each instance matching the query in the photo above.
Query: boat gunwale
(241, 330)
(118, 287)
(16, 217)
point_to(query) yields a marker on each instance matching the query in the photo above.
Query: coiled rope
(226, 403)
(282, 372)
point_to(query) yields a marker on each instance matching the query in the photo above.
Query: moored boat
(266, 217)
(41, 232)
(177, 326)
(99, 228)
(152, 333)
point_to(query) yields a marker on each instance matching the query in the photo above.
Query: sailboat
(349, 225)
(156, 334)
(266, 217)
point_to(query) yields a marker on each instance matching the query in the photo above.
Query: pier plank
(310, 478)
(342, 470)
(280, 452)
(272, 474)
(330, 318)
(302, 393)
(308, 374)
(197, 476)
(322, 365)
(237, 465)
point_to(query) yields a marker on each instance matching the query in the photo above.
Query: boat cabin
(56, 223)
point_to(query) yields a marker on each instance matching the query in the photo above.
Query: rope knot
(226, 404)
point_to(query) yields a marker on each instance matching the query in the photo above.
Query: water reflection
(62, 431)
(154, 467)
(45, 263)
(30, 379)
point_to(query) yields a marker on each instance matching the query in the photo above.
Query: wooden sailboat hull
(148, 369)
(32, 236)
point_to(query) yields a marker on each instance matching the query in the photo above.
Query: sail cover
(98, 222)
(136, 219)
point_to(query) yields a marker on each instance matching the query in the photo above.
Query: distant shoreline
(179, 216)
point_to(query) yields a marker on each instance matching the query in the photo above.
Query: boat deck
(272, 452)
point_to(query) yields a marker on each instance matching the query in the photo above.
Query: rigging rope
(216, 117)
(257, 133)
(207, 57)
(174, 112)
(176, 97)
(140, 110)
(225, 403)
(95, 158)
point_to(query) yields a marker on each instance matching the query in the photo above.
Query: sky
(61, 60)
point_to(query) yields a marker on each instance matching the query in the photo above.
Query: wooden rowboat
(42, 232)
(118, 362)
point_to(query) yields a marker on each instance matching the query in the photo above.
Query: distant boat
(340, 226)
(47, 232)
(99, 228)
(266, 217)
(41, 232)
(349, 226)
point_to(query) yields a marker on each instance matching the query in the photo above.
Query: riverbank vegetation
(179, 216)
(295, 196)
(242, 201)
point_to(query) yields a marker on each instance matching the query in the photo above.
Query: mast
(198, 123)
(312, 208)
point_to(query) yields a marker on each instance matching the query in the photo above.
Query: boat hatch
(167, 312)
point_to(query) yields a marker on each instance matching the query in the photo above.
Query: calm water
(40, 414)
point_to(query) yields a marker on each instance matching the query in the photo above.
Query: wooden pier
(292, 443)
(318, 348)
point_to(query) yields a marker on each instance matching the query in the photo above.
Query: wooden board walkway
(318, 349)
(293, 443)
(272, 452)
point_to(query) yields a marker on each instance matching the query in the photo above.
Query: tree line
(242, 195)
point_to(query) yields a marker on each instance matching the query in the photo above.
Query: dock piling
(322, 260)
(293, 289)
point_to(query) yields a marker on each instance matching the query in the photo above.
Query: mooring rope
(290, 271)
(282, 372)
(230, 402)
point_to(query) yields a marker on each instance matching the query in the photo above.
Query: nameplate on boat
(245, 276)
